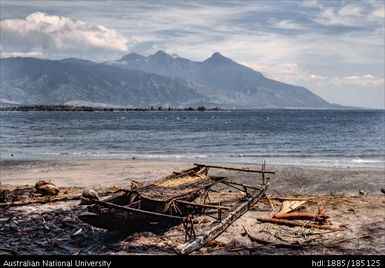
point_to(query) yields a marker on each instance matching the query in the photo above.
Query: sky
(333, 48)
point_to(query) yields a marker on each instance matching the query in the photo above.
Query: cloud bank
(43, 34)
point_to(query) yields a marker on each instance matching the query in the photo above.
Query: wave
(303, 160)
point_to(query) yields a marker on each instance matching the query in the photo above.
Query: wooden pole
(263, 172)
(201, 205)
(215, 229)
(235, 169)
(301, 224)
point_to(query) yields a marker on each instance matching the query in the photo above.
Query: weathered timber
(235, 169)
(46, 199)
(139, 211)
(301, 224)
(215, 229)
(241, 184)
(290, 205)
(320, 216)
(39, 201)
(201, 205)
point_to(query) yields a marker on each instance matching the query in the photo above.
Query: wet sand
(352, 198)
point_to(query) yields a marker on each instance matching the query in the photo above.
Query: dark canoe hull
(147, 207)
(131, 222)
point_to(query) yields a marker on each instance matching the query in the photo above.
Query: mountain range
(142, 81)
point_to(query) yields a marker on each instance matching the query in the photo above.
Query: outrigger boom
(235, 169)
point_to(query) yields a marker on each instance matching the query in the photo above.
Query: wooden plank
(235, 169)
(215, 229)
(301, 224)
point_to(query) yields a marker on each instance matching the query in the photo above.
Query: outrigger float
(175, 200)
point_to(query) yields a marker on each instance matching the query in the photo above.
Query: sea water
(303, 137)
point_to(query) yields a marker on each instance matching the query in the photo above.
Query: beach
(352, 198)
(289, 179)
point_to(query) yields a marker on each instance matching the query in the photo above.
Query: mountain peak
(161, 57)
(132, 57)
(161, 53)
(217, 57)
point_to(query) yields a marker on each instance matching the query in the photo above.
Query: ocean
(339, 138)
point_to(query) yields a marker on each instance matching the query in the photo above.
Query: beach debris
(301, 224)
(46, 188)
(352, 210)
(135, 185)
(77, 232)
(290, 205)
(215, 244)
(45, 225)
(286, 216)
(383, 190)
(267, 242)
(319, 217)
(89, 197)
(3, 195)
(361, 192)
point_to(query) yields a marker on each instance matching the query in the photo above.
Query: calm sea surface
(307, 137)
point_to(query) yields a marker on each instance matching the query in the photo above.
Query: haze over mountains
(139, 81)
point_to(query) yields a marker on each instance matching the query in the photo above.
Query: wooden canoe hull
(131, 223)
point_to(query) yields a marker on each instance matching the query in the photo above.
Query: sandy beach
(352, 198)
(104, 173)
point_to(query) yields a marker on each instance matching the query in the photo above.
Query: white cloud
(4, 54)
(292, 73)
(379, 12)
(367, 80)
(311, 3)
(40, 32)
(289, 25)
(358, 13)
(350, 10)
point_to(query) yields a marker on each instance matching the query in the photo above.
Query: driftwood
(215, 229)
(39, 201)
(289, 206)
(44, 200)
(320, 217)
(300, 224)
(235, 169)
(280, 198)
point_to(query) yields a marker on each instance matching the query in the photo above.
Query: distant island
(72, 108)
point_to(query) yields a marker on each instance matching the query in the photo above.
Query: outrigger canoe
(175, 200)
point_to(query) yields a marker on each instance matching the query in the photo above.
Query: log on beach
(300, 224)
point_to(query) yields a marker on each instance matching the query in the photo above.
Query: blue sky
(334, 48)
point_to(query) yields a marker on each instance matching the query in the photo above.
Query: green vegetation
(71, 108)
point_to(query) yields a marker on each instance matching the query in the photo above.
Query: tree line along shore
(71, 108)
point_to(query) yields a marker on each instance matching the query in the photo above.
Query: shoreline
(105, 173)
